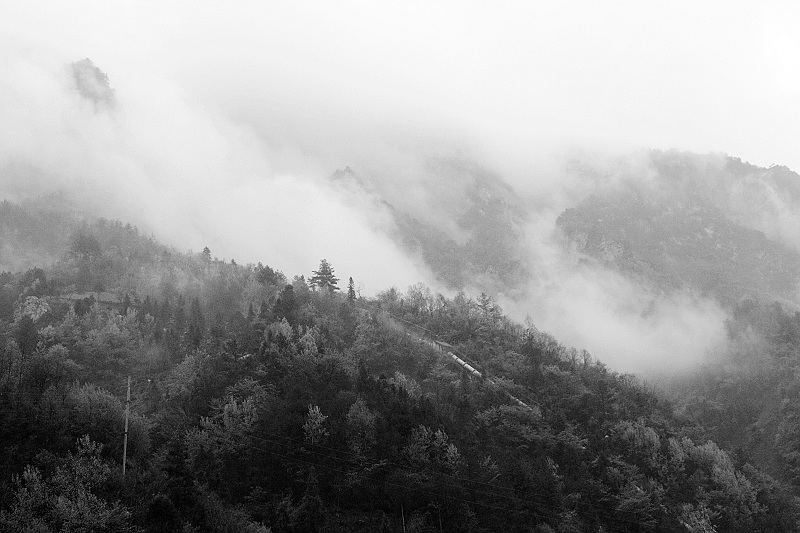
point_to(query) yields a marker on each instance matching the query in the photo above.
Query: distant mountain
(682, 246)
(698, 222)
(708, 223)
(481, 246)
(764, 199)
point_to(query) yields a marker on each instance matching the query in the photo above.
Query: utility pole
(125, 442)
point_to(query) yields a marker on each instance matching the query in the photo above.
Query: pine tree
(314, 425)
(351, 290)
(324, 278)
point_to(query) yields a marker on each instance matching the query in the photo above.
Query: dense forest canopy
(262, 402)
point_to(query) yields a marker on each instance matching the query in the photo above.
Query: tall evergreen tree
(323, 279)
(351, 290)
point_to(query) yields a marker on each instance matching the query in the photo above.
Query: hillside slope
(259, 402)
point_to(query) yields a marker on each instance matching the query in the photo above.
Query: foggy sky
(703, 76)
(230, 117)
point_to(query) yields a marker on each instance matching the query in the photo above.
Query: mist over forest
(440, 268)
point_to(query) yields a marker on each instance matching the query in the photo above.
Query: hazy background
(229, 120)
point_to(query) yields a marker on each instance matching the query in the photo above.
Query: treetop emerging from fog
(323, 278)
(92, 83)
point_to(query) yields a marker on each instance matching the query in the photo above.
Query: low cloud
(192, 177)
(228, 121)
(196, 176)
(629, 326)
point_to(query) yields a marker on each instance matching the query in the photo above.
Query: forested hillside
(747, 397)
(263, 402)
(724, 229)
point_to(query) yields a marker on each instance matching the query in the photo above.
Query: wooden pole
(125, 441)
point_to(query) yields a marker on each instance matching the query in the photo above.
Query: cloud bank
(229, 119)
(626, 324)
(191, 176)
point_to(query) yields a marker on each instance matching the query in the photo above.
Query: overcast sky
(718, 76)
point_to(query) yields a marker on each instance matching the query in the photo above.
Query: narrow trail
(426, 337)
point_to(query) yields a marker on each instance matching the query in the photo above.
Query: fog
(628, 325)
(228, 121)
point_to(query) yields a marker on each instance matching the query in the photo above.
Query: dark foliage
(326, 412)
